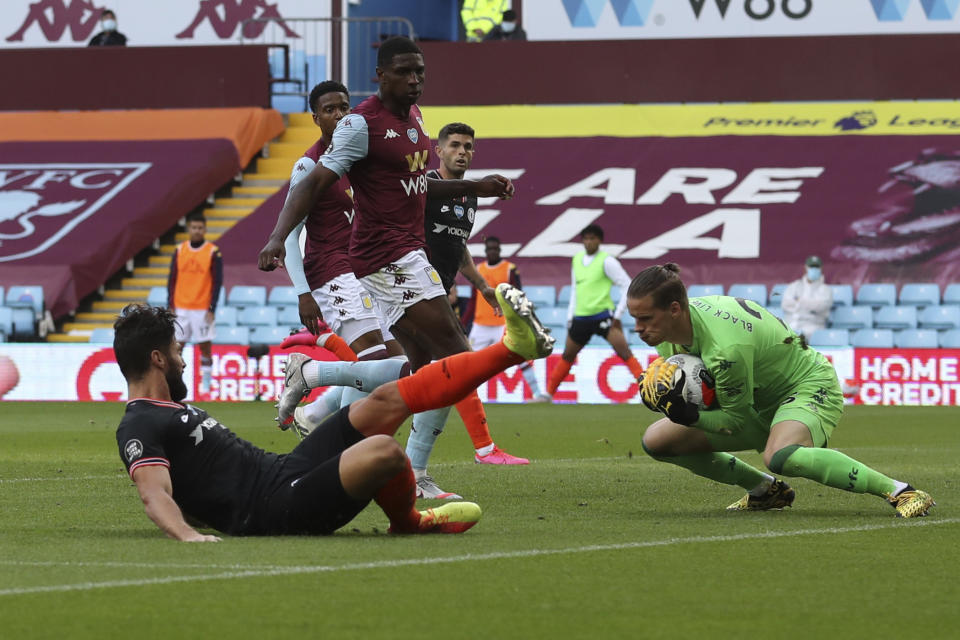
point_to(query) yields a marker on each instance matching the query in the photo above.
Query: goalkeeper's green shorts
(817, 402)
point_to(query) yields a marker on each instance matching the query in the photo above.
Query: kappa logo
(54, 17)
(41, 203)
(224, 16)
(390, 134)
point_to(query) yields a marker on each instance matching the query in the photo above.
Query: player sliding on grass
(775, 395)
(189, 467)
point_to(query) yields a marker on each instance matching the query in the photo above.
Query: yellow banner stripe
(696, 120)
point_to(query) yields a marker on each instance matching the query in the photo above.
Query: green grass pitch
(593, 539)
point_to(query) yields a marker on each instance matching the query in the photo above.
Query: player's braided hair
(662, 282)
(138, 331)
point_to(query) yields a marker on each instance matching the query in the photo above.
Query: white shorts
(403, 283)
(348, 308)
(192, 326)
(484, 335)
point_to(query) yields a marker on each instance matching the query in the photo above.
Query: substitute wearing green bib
(775, 395)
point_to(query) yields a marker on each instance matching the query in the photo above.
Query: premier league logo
(413, 135)
(459, 211)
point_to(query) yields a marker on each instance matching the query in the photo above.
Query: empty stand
(895, 317)
(876, 338)
(854, 317)
(542, 295)
(30, 296)
(257, 316)
(921, 294)
(755, 292)
(268, 335)
(776, 294)
(951, 294)
(877, 294)
(916, 339)
(101, 336)
(243, 296)
(949, 339)
(226, 316)
(842, 294)
(830, 338)
(940, 317)
(232, 335)
(699, 290)
(563, 296)
(282, 297)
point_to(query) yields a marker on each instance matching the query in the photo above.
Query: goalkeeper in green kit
(774, 394)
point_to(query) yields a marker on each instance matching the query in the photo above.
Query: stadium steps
(270, 175)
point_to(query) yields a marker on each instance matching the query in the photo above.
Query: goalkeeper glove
(662, 390)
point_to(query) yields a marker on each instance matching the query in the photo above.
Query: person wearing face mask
(508, 29)
(807, 301)
(109, 37)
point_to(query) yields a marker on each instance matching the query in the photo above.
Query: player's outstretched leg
(525, 336)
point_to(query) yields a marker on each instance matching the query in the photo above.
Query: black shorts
(308, 497)
(582, 328)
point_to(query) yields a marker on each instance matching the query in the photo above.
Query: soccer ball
(698, 386)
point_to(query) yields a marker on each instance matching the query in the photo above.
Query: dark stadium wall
(692, 70)
(134, 78)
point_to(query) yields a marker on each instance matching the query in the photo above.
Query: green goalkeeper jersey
(756, 361)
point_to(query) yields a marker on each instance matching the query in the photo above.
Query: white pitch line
(499, 555)
(62, 478)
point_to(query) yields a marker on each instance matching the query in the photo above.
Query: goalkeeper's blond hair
(662, 283)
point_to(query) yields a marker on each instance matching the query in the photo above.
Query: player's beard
(178, 388)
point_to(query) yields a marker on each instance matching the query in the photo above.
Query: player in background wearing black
(448, 223)
(191, 471)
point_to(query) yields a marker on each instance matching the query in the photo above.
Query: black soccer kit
(447, 225)
(233, 486)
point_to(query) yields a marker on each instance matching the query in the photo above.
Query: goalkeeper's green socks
(720, 467)
(832, 468)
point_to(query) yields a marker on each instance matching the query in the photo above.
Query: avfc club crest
(413, 135)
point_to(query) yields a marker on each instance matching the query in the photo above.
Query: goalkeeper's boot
(778, 496)
(294, 389)
(453, 517)
(910, 502)
(525, 335)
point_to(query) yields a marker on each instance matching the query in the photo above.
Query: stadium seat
(949, 339)
(776, 310)
(157, 297)
(560, 335)
(616, 293)
(464, 291)
(232, 335)
(755, 292)
(699, 290)
(542, 296)
(1, 295)
(247, 296)
(851, 318)
(876, 338)
(226, 316)
(895, 317)
(282, 297)
(289, 317)
(563, 296)
(776, 294)
(921, 294)
(830, 338)
(634, 339)
(24, 323)
(257, 316)
(877, 294)
(26, 296)
(916, 339)
(842, 295)
(553, 316)
(268, 335)
(6, 322)
(951, 294)
(101, 335)
(946, 316)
